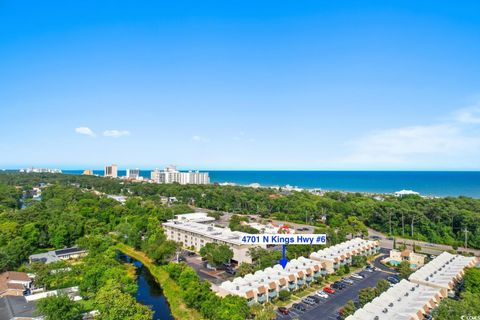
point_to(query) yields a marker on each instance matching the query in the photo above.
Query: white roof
(210, 231)
(340, 249)
(194, 217)
(402, 301)
(442, 270)
(241, 285)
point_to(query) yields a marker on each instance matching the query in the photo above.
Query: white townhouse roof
(343, 250)
(443, 270)
(194, 217)
(403, 301)
(210, 231)
(276, 274)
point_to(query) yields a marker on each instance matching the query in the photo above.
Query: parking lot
(328, 308)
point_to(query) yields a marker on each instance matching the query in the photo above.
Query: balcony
(323, 272)
(251, 302)
(300, 282)
(272, 294)
(291, 286)
(309, 278)
(261, 298)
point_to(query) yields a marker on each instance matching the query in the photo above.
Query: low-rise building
(14, 283)
(405, 300)
(195, 235)
(200, 217)
(265, 285)
(17, 308)
(341, 254)
(57, 255)
(444, 271)
(416, 260)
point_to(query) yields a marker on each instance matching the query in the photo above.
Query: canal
(149, 292)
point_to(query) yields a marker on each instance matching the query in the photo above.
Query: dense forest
(438, 220)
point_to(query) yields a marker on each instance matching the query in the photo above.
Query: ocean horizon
(427, 183)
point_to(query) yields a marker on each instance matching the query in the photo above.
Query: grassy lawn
(170, 289)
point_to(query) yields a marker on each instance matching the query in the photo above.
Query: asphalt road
(432, 248)
(328, 308)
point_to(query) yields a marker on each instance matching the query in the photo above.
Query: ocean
(427, 183)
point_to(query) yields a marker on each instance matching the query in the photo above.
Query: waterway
(149, 292)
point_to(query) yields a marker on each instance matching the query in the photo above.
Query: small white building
(402, 193)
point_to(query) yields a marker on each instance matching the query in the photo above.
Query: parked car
(181, 258)
(392, 280)
(230, 271)
(338, 285)
(356, 276)
(299, 306)
(315, 298)
(283, 310)
(362, 274)
(347, 281)
(322, 294)
(309, 301)
(375, 237)
(329, 290)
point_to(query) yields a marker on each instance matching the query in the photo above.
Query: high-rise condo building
(170, 175)
(111, 171)
(133, 173)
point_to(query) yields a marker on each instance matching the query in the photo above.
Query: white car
(322, 294)
(356, 276)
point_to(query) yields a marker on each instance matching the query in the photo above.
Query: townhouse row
(341, 254)
(415, 298)
(265, 285)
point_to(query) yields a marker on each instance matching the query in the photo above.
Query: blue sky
(240, 84)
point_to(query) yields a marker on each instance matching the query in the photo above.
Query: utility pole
(390, 222)
(413, 219)
(403, 226)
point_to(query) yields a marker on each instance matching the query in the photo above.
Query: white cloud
(469, 115)
(450, 142)
(116, 133)
(199, 139)
(85, 131)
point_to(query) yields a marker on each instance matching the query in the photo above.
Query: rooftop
(443, 270)
(341, 249)
(242, 285)
(14, 307)
(402, 301)
(194, 217)
(222, 234)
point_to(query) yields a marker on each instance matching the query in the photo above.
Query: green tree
(187, 278)
(232, 307)
(382, 286)
(263, 312)
(245, 268)
(472, 280)
(58, 308)
(359, 261)
(216, 254)
(284, 295)
(113, 304)
(348, 309)
(457, 309)
(366, 295)
(404, 269)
